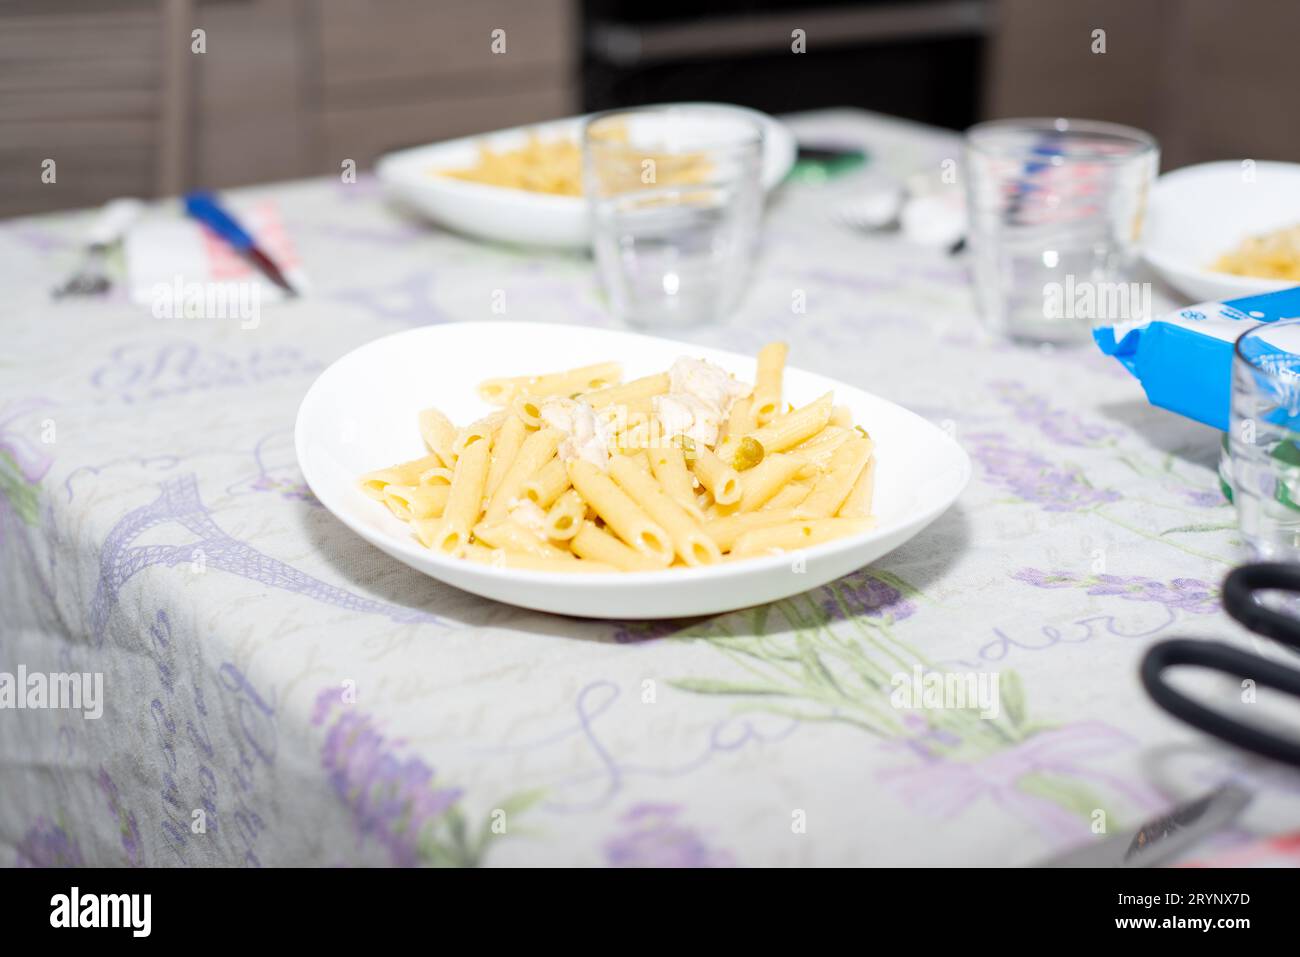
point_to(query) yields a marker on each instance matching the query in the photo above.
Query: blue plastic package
(1184, 359)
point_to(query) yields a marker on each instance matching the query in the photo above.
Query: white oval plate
(361, 415)
(516, 215)
(1198, 213)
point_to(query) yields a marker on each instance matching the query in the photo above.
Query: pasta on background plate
(579, 471)
(553, 165)
(1273, 255)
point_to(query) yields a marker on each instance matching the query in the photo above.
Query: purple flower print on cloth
(653, 837)
(1034, 479)
(277, 470)
(946, 788)
(35, 236)
(922, 739)
(126, 826)
(1057, 425)
(1189, 594)
(285, 488)
(392, 799)
(46, 844)
(1204, 499)
(409, 300)
(862, 593)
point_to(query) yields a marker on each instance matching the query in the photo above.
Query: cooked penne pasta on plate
(601, 473)
(577, 470)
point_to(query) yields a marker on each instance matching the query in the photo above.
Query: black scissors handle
(1239, 602)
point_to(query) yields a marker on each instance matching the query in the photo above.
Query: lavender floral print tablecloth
(276, 691)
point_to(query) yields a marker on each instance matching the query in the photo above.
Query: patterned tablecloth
(276, 691)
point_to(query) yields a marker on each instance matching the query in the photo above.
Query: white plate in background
(516, 215)
(360, 415)
(1198, 213)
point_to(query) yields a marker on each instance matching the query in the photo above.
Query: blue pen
(205, 208)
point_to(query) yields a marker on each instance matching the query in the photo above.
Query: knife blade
(1161, 838)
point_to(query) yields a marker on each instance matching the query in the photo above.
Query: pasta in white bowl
(417, 177)
(607, 474)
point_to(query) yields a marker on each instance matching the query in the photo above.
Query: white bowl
(361, 415)
(520, 216)
(1198, 213)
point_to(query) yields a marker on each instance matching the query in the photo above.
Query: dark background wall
(290, 88)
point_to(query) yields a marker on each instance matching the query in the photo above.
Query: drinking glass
(675, 197)
(1264, 439)
(1056, 209)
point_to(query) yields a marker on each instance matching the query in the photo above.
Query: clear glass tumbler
(1056, 208)
(675, 196)
(1264, 439)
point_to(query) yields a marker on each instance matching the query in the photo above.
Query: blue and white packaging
(1184, 359)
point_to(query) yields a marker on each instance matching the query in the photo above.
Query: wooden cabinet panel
(80, 86)
(386, 47)
(1208, 80)
(253, 107)
(363, 133)
(284, 89)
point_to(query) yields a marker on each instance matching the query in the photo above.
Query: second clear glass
(675, 197)
(1056, 208)
(1264, 439)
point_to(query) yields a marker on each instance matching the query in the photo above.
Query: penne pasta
(464, 501)
(597, 545)
(858, 504)
(528, 408)
(538, 449)
(592, 378)
(425, 529)
(438, 475)
(504, 449)
(624, 517)
(669, 468)
(406, 473)
(502, 558)
(636, 393)
(816, 453)
(720, 479)
(408, 502)
(682, 468)
(841, 416)
(832, 436)
(484, 428)
(641, 460)
(543, 488)
(767, 382)
(501, 391)
(633, 418)
(829, 492)
(759, 484)
(635, 432)
(726, 530)
(504, 391)
(513, 537)
(794, 427)
(795, 535)
(741, 422)
(689, 540)
(788, 497)
(566, 516)
(438, 434)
